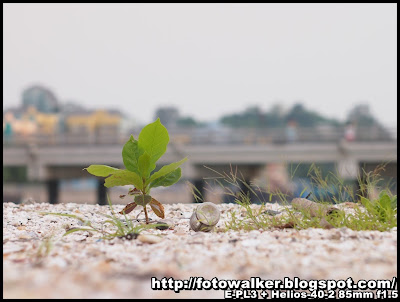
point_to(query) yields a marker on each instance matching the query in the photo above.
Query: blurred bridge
(51, 158)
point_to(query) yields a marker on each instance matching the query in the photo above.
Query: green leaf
(364, 201)
(144, 165)
(154, 140)
(65, 215)
(167, 180)
(130, 155)
(384, 201)
(142, 200)
(166, 169)
(123, 178)
(101, 170)
(393, 202)
(76, 230)
(118, 222)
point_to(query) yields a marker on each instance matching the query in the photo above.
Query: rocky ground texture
(40, 263)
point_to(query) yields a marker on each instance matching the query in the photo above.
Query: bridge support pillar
(349, 171)
(348, 168)
(53, 190)
(101, 192)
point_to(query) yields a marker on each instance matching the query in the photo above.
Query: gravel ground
(82, 266)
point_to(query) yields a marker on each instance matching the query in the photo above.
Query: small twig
(145, 214)
(137, 217)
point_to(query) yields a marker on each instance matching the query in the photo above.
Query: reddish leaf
(128, 208)
(133, 191)
(157, 208)
(122, 196)
(288, 225)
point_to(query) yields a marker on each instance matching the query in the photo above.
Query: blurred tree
(367, 127)
(186, 122)
(14, 174)
(171, 118)
(307, 118)
(251, 117)
(361, 116)
(275, 117)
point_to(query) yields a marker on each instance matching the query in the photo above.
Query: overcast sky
(208, 59)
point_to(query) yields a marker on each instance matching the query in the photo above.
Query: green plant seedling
(385, 207)
(122, 230)
(140, 157)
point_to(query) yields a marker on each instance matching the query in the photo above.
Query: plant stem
(145, 214)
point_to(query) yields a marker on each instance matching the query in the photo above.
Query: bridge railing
(225, 136)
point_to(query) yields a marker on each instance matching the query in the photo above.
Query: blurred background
(274, 93)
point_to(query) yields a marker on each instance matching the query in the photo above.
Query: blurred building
(41, 114)
(100, 122)
(40, 98)
(29, 122)
(19, 123)
(169, 116)
(46, 123)
(67, 109)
